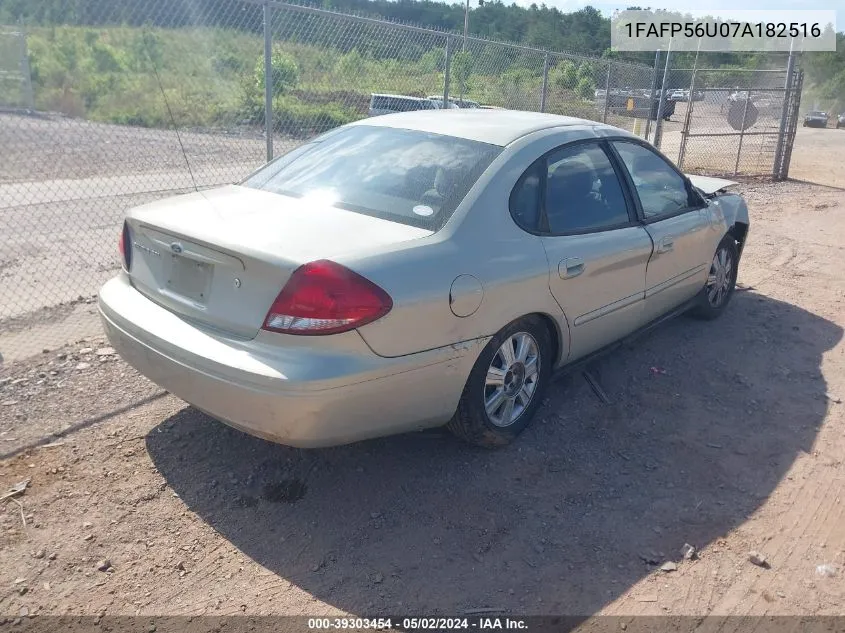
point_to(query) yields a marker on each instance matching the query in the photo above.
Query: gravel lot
(727, 436)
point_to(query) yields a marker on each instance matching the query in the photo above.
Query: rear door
(678, 220)
(597, 251)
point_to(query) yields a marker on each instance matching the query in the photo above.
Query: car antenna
(169, 111)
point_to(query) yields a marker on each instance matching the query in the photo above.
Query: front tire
(721, 281)
(506, 385)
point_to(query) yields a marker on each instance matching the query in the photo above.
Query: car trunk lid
(221, 257)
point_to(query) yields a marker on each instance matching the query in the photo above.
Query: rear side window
(411, 177)
(572, 190)
(583, 192)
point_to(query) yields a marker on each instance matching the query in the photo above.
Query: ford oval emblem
(176, 247)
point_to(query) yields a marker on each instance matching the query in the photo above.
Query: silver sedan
(415, 270)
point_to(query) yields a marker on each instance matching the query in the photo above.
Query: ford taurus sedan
(416, 270)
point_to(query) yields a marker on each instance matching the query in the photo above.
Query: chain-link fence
(170, 101)
(730, 121)
(15, 76)
(123, 103)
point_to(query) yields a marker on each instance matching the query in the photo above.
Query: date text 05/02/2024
(418, 624)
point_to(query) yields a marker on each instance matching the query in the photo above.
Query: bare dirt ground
(727, 435)
(817, 156)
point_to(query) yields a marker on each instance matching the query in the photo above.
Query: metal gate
(732, 122)
(792, 107)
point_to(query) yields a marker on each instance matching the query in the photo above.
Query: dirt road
(719, 435)
(817, 156)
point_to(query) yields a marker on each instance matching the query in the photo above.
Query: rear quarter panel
(481, 240)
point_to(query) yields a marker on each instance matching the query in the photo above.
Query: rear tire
(721, 281)
(506, 385)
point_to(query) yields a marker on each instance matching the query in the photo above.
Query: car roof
(496, 127)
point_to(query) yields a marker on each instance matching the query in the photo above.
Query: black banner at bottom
(414, 624)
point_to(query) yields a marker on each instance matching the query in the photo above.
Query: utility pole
(466, 26)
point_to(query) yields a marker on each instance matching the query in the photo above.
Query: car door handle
(571, 267)
(665, 245)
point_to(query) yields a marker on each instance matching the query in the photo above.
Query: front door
(597, 251)
(678, 221)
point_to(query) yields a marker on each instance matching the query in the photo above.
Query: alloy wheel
(720, 277)
(512, 379)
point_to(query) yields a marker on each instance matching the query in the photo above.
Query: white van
(386, 104)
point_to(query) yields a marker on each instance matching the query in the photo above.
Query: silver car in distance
(414, 270)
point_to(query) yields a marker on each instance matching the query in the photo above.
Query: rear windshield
(410, 177)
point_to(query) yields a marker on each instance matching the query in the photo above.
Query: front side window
(411, 177)
(661, 189)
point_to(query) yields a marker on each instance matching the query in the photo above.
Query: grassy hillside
(214, 78)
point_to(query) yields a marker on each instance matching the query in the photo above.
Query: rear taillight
(125, 246)
(326, 298)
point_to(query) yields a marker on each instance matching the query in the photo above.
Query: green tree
(514, 82)
(586, 71)
(564, 76)
(432, 61)
(586, 88)
(461, 70)
(284, 74)
(349, 65)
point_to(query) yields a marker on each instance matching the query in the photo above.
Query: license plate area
(190, 278)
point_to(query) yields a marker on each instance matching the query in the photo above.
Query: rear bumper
(332, 392)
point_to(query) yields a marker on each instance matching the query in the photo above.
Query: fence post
(447, 64)
(742, 130)
(687, 120)
(545, 83)
(792, 125)
(653, 90)
(777, 167)
(607, 91)
(29, 97)
(658, 125)
(268, 81)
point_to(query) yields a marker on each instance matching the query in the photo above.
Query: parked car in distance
(455, 102)
(390, 104)
(679, 95)
(438, 103)
(414, 270)
(815, 118)
(840, 121)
